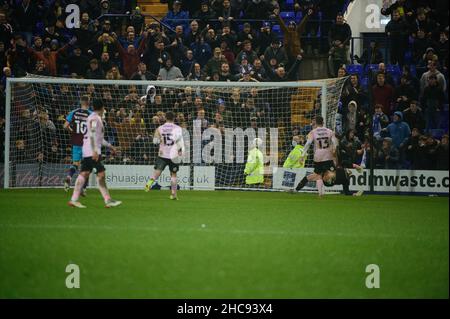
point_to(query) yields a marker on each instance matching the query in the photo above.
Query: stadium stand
(35, 40)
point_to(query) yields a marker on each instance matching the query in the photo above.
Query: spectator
(227, 36)
(339, 41)
(388, 156)
(442, 154)
(170, 72)
(214, 64)
(41, 69)
(292, 36)
(432, 70)
(50, 57)
(280, 74)
(412, 149)
(193, 33)
(353, 91)
(387, 77)
(114, 74)
(258, 72)
(351, 117)
(414, 116)
(398, 130)
(403, 8)
(442, 50)
(349, 149)
(176, 16)
(247, 53)
(266, 37)
(383, 94)
(78, 62)
(6, 31)
(257, 9)
(201, 50)
(188, 63)
(247, 34)
(177, 47)
(276, 52)
(380, 121)
(104, 44)
(227, 52)
(142, 74)
(404, 93)
(94, 71)
(25, 14)
(158, 55)
(421, 44)
(432, 100)
(397, 32)
(131, 56)
(205, 14)
(105, 62)
(195, 74)
(227, 13)
(225, 73)
(371, 55)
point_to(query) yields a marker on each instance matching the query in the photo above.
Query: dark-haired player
(169, 136)
(76, 124)
(341, 176)
(325, 144)
(92, 149)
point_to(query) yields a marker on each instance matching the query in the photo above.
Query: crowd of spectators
(234, 40)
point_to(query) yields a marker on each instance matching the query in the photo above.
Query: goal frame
(322, 84)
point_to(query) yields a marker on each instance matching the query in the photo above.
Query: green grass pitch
(223, 245)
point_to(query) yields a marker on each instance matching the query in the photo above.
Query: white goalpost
(220, 120)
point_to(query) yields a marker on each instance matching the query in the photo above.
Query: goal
(220, 121)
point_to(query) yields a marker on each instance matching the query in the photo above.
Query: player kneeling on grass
(169, 136)
(341, 176)
(92, 149)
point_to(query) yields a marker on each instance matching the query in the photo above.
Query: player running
(325, 144)
(92, 149)
(76, 124)
(169, 136)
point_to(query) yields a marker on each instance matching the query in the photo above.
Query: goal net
(220, 122)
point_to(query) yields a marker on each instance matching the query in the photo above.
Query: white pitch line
(209, 230)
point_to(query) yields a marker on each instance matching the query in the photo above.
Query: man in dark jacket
(94, 71)
(414, 117)
(280, 74)
(276, 52)
(397, 31)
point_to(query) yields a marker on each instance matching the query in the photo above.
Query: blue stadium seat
(409, 57)
(355, 69)
(299, 16)
(413, 69)
(40, 28)
(371, 68)
(276, 29)
(437, 133)
(290, 4)
(365, 82)
(287, 15)
(394, 70)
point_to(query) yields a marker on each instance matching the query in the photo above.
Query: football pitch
(223, 244)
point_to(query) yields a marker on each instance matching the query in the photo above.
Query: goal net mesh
(219, 120)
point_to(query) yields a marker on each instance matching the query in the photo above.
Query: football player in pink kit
(92, 149)
(169, 136)
(325, 144)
